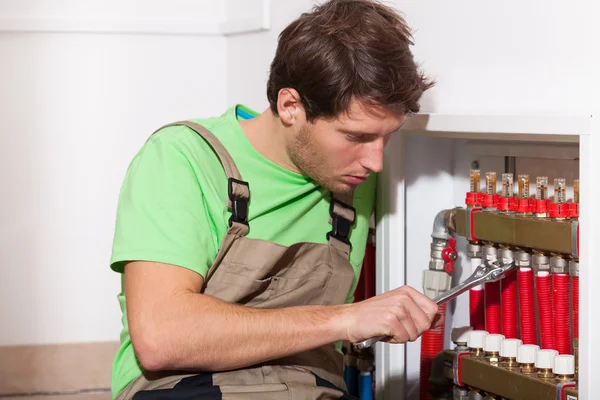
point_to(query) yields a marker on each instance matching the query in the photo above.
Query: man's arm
(173, 327)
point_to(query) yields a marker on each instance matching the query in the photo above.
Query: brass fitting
(508, 353)
(491, 346)
(475, 342)
(544, 362)
(526, 358)
(564, 368)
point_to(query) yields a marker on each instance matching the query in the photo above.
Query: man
(241, 237)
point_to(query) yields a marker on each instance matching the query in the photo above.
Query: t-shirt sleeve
(161, 215)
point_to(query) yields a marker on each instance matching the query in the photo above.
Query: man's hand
(174, 327)
(401, 315)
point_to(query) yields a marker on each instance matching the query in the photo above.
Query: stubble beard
(310, 161)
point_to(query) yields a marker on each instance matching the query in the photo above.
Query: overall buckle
(239, 205)
(341, 227)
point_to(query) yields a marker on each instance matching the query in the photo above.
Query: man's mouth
(355, 180)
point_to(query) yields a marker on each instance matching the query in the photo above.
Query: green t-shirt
(172, 208)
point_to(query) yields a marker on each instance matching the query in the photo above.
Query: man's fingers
(425, 303)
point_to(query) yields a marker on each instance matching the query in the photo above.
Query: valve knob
(544, 359)
(461, 334)
(492, 342)
(509, 347)
(526, 353)
(475, 339)
(449, 255)
(564, 365)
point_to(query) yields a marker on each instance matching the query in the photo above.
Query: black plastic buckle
(341, 227)
(239, 205)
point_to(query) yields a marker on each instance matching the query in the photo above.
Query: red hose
(365, 288)
(509, 306)
(543, 283)
(477, 309)
(370, 266)
(575, 289)
(492, 308)
(527, 306)
(560, 304)
(432, 343)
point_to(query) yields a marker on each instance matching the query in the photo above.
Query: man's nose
(373, 158)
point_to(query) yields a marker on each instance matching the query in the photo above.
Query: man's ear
(289, 106)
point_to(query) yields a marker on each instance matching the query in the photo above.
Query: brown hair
(345, 49)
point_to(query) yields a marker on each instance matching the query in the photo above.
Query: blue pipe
(351, 379)
(365, 385)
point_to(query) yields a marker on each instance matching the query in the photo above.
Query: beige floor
(73, 371)
(77, 396)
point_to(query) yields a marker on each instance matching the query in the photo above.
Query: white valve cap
(475, 339)
(544, 359)
(509, 347)
(564, 365)
(526, 353)
(460, 334)
(492, 342)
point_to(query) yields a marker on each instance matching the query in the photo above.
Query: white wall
(76, 107)
(249, 56)
(505, 57)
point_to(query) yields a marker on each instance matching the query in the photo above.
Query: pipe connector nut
(574, 268)
(507, 256)
(522, 259)
(436, 262)
(490, 253)
(559, 265)
(540, 263)
(474, 250)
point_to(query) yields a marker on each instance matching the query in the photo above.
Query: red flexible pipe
(543, 282)
(527, 306)
(432, 343)
(509, 306)
(492, 308)
(560, 304)
(365, 288)
(575, 289)
(477, 309)
(370, 266)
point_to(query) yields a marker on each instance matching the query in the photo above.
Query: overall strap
(342, 219)
(238, 189)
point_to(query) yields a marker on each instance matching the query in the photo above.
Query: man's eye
(355, 138)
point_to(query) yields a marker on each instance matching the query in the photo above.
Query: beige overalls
(261, 274)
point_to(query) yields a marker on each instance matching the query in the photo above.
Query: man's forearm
(203, 333)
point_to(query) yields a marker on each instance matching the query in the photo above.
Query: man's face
(341, 153)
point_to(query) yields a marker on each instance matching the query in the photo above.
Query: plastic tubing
(432, 343)
(509, 306)
(527, 306)
(476, 302)
(492, 308)
(560, 304)
(575, 289)
(543, 281)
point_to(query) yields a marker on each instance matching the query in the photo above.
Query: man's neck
(266, 133)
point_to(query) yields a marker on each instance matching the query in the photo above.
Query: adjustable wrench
(484, 273)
